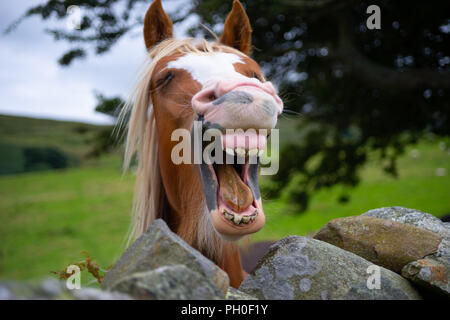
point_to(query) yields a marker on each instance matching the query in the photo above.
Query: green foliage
(110, 137)
(109, 106)
(69, 56)
(15, 159)
(11, 159)
(37, 159)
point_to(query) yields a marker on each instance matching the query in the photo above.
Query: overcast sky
(33, 84)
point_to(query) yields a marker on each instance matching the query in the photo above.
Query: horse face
(226, 90)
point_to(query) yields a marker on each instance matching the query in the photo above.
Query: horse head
(220, 86)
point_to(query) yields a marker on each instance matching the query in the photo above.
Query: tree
(358, 90)
(107, 139)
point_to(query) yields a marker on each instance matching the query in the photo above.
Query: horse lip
(250, 84)
(262, 88)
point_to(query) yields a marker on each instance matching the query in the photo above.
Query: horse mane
(142, 144)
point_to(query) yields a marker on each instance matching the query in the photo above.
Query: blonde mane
(142, 144)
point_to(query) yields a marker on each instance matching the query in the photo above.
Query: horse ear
(237, 32)
(157, 25)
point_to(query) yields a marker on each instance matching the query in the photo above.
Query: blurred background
(367, 121)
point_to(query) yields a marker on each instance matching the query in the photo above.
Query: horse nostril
(212, 97)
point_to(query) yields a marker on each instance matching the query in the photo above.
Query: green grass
(48, 218)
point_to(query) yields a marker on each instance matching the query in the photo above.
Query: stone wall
(386, 253)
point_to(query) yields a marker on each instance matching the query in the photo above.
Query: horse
(216, 84)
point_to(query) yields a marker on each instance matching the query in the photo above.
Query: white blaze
(206, 67)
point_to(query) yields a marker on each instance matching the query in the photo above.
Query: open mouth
(235, 199)
(231, 184)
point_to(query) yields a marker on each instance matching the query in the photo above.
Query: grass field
(48, 218)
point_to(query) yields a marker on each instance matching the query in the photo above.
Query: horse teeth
(230, 151)
(240, 151)
(253, 152)
(238, 219)
(227, 215)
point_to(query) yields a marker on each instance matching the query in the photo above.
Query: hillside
(71, 137)
(28, 144)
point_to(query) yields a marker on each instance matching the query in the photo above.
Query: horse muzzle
(231, 187)
(243, 103)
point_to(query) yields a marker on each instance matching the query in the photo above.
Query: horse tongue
(234, 192)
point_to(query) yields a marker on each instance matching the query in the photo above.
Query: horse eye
(164, 80)
(257, 76)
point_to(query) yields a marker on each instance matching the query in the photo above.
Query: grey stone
(51, 289)
(387, 243)
(159, 247)
(303, 268)
(413, 217)
(169, 283)
(97, 294)
(432, 273)
(234, 294)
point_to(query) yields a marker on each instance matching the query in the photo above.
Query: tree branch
(305, 4)
(379, 75)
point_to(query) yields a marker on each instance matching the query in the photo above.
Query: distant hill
(29, 144)
(70, 137)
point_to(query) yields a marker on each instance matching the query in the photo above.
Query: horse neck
(224, 254)
(192, 224)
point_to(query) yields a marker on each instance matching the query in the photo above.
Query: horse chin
(232, 232)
